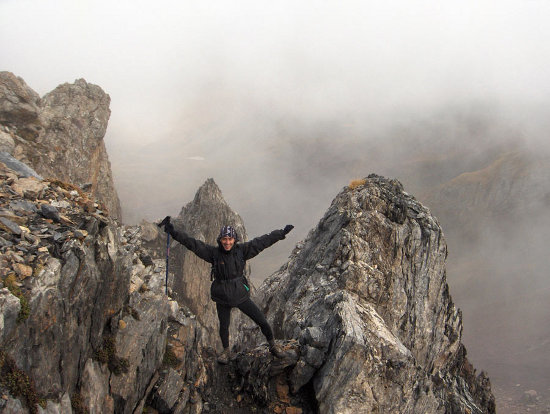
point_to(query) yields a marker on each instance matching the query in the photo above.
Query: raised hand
(166, 223)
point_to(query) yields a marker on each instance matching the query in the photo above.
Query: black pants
(250, 309)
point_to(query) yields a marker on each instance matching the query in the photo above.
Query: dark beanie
(228, 231)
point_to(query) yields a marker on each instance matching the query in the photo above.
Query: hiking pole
(163, 223)
(167, 262)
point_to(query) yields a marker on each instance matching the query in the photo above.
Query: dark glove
(287, 228)
(168, 227)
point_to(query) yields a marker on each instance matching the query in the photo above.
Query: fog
(283, 104)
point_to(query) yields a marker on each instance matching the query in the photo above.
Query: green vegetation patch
(25, 311)
(19, 384)
(170, 359)
(107, 355)
(78, 405)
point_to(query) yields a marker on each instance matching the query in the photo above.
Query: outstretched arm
(201, 249)
(253, 247)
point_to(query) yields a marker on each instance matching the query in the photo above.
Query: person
(229, 288)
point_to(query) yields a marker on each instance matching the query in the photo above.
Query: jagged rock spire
(61, 135)
(367, 289)
(208, 212)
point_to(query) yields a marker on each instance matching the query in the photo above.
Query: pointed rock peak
(77, 94)
(363, 216)
(208, 194)
(208, 212)
(373, 196)
(202, 219)
(367, 289)
(72, 119)
(209, 189)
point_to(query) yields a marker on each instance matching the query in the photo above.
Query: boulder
(21, 168)
(167, 392)
(19, 104)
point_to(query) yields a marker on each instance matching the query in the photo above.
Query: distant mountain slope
(513, 183)
(496, 221)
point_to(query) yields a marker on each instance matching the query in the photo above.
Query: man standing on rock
(230, 288)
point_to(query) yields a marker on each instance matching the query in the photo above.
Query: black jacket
(229, 286)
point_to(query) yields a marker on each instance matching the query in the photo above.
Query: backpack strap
(213, 270)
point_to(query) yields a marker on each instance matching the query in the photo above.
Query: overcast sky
(156, 58)
(218, 84)
(275, 99)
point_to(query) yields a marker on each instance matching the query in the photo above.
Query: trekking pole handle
(165, 221)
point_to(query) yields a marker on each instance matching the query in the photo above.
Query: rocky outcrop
(84, 318)
(366, 293)
(19, 106)
(86, 327)
(61, 134)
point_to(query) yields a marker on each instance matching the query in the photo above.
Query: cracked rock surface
(366, 293)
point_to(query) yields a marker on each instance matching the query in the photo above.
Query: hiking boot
(224, 356)
(276, 349)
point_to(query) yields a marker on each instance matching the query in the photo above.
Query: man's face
(227, 242)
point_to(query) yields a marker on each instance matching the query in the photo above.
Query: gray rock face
(19, 104)
(71, 298)
(7, 143)
(142, 343)
(83, 315)
(61, 135)
(367, 289)
(22, 169)
(9, 309)
(168, 392)
(68, 320)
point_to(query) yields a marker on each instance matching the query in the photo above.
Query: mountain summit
(366, 292)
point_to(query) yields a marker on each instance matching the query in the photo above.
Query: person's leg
(250, 309)
(224, 317)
